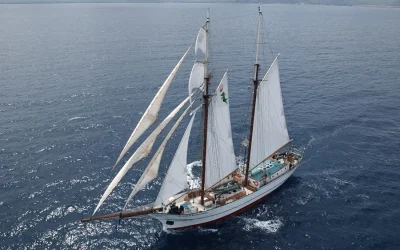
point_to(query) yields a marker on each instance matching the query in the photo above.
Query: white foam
(43, 149)
(194, 182)
(172, 232)
(311, 141)
(269, 226)
(56, 213)
(190, 167)
(76, 118)
(208, 230)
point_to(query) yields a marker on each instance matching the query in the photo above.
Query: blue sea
(76, 78)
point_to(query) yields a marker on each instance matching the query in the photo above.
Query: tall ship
(226, 186)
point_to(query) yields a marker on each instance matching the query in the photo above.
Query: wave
(193, 181)
(269, 226)
(77, 118)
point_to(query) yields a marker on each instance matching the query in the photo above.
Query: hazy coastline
(357, 3)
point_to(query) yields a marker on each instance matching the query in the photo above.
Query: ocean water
(75, 79)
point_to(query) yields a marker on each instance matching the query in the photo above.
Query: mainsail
(220, 152)
(176, 177)
(151, 170)
(143, 150)
(151, 113)
(269, 131)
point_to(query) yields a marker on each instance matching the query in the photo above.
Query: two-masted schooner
(226, 187)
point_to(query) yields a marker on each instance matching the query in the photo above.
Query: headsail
(143, 150)
(151, 170)
(176, 177)
(220, 152)
(150, 115)
(269, 131)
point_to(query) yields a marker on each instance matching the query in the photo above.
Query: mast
(256, 83)
(205, 113)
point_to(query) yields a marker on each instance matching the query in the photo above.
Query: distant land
(318, 2)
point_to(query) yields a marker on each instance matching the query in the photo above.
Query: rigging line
(210, 56)
(147, 170)
(217, 21)
(247, 118)
(179, 184)
(263, 42)
(267, 34)
(235, 17)
(176, 181)
(216, 36)
(199, 137)
(181, 164)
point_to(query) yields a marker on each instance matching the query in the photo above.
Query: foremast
(256, 83)
(206, 98)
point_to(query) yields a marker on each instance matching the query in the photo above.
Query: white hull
(216, 214)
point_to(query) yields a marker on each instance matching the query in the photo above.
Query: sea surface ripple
(75, 79)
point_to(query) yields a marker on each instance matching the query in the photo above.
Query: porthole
(170, 222)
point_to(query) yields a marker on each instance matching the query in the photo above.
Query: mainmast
(256, 83)
(206, 98)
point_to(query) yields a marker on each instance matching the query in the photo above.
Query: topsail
(150, 115)
(196, 79)
(201, 42)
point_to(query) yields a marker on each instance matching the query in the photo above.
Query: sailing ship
(226, 187)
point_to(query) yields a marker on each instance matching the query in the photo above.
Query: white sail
(151, 170)
(196, 78)
(220, 158)
(143, 150)
(201, 42)
(269, 131)
(150, 115)
(176, 177)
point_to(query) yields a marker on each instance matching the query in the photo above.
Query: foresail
(143, 150)
(151, 170)
(150, 115)
(201, 42)
(176, 177)
(269, 131)
(196, 78)
(220, 159)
